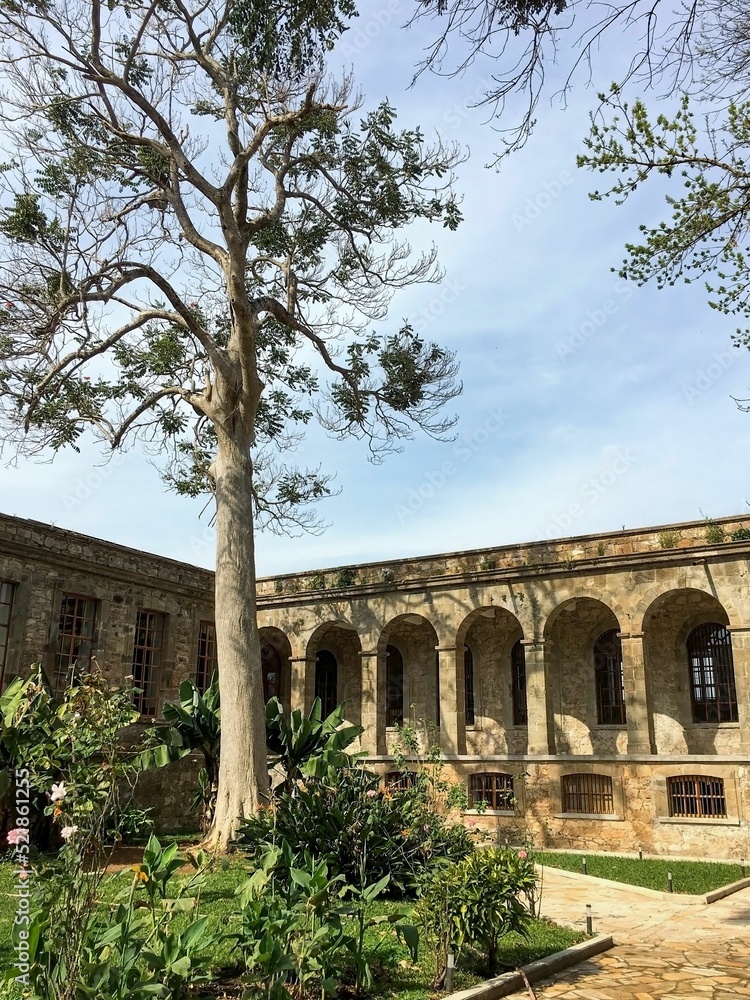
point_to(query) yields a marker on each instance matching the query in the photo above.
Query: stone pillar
(741, 657)
(541, 720)
(637, 702)
(303, 683)
(451, 698)
(372, 709)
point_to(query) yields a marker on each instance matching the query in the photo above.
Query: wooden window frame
(713, 690)
(609, 680)
(68, 661)
(587, 793)
(147, 670)
(206, 661)
(492, 790)
(686, 799)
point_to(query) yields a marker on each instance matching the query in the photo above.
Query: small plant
(740, 535)
(346, 578)
(714, 533)
(388, 576)
(601, 548)
(316, 582)
(668, 539)
(488, 564)
(279, 587)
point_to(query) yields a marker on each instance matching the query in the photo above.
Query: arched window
(394, 686)
(696, 796)
(712, 688)
(588, 793)
(610, 691)
(469, 686)
(493, 789)
(518, 684)
(326, 681)
(270, 661)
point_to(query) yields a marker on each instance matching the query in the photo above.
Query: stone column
(451, 697)
(541, 721)
(637, 702)
(302, 691)
(741, 657)
(372, 715)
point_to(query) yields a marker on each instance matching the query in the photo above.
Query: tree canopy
(200, 237)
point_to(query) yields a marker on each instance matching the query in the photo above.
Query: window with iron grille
(588, 793)
(492, 788)
(469, 686)
(7, 592)
(398, 781)
(207, 661)
(270, 662)
(326, 681)
(712, 687)
(610, 689)
(518, 683)
(697, 797)
(75, 639)
(394, 686)
(148, 648)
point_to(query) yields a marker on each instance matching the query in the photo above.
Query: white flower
(58, 792)
(67, 832)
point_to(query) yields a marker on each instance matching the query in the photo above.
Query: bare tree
(198, 234)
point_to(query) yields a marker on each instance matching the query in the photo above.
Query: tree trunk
(243, 771)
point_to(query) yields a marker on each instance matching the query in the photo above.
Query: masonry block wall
(600, 685)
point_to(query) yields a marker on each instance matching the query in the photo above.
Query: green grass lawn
(396, 976)
(690, 877)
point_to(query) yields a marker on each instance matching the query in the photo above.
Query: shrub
(714, 533)
(476, 901)
(668, 539)
(359, 830)
(740, 535)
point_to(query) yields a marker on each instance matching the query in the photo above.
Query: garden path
(663, 948)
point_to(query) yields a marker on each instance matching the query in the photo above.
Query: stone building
(592, 692)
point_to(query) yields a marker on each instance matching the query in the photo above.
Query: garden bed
(395, 974)
(693, 878)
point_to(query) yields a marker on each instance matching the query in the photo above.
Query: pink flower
(130, 677)
(23, 873)
(522, 854)
(58, 792)
(18, 836)
(472, 822)
(68, 831)
(371, 793)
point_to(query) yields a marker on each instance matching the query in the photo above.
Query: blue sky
(588, 403)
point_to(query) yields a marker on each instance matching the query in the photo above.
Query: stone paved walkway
(662, 948)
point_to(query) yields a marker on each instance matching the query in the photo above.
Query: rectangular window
(7, 592)
(75, 639)
(588, 793)
(494, 789)
(697, 797)
(207, 660)
(148, 647)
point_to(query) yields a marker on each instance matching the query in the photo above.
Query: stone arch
(276, 656)
(490, 632)
(341, 640)
(668, 620)
(570, 633)
(416, 639)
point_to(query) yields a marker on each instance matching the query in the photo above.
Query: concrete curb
(640, 890)
(511, 982)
